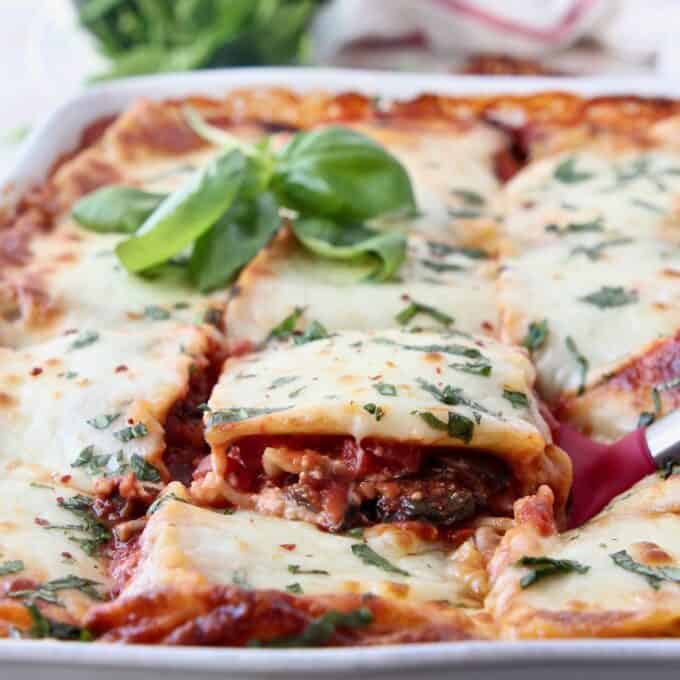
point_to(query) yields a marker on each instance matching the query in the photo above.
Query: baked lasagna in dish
(281, 370)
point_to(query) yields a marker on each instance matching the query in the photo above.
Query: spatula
(602, 471)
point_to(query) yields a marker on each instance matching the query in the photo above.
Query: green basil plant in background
(329, 183)
(151, 36)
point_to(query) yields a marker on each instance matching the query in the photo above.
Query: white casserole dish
(604, 659)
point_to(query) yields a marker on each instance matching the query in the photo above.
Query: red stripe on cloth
(547, 35)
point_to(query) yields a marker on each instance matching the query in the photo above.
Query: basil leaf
(286, 328)
(320, 630)
(11, 567)
(374, 410)
(43, 627)
(566, 172)
(541, 567)
(457, 426)
(297, 569)
(386, 389)
(352, 241)
(414, 308)
(609, 296)
(336, 172)
(294, 589)
(581, 360)
(233, 241)
(127, 434)
(653, 575)
(369, 556)
(236, 415)
(144, 471)
(186, 214)
(482, 367)
(116, 209)
(517, 399)
(536, 335)
(101, 422)
(315, 331)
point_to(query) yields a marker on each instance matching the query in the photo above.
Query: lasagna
(325, 418)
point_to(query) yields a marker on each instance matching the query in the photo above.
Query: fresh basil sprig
(116, 209)
(353, 241)
(332, 179)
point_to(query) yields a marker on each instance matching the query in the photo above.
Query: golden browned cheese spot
(433, 357)
(6, 400)
(650, 554)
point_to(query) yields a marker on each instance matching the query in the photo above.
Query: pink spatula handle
(603, 471)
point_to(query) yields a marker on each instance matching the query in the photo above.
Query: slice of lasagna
(193, 565)
(598, 307)
(51, 560)
(616, 576)
(356, 429)
(93, 403)
(341, 296)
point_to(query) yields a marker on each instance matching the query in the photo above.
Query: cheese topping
(86, 404)
(604, 300)
(183, 543)
(338, 294)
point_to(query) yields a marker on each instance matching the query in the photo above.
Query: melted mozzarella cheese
(551, 283)
(27, 511)
(608, 599)
(183, 543)
(633, 194)
(75, 278)
(49, 393)
(458, 281)
(322, 387)
(447, 166)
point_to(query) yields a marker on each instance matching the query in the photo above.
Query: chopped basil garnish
(441, 267)
(294, 588)
(48, 591)
(11, 567)
(386, 389)
(44, 627)
(91, 534)
(374, 410)
(414, 308)
(463, 213)
(647, 205)
(161, 500)
(610, 296)
(296, 569)
(653, 575)
(468, 197)
(321, 630)
(156, 313)
(457, 426)
(567, 173)
(297, 392)
(595, 252)
(581, 360)
(536, 335)
(85, 339)
(542, 567)
(235, 415)
(456, 350)
(315, 331)
(452, 396)
(286, 328)
(101, 464)
(482, 367)
(101, 422)
(517, 399)
(576, 227)
(443, 249)
(143, 470)
(646, 417)
(283, 380)
(369, 556)
(127, 434)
